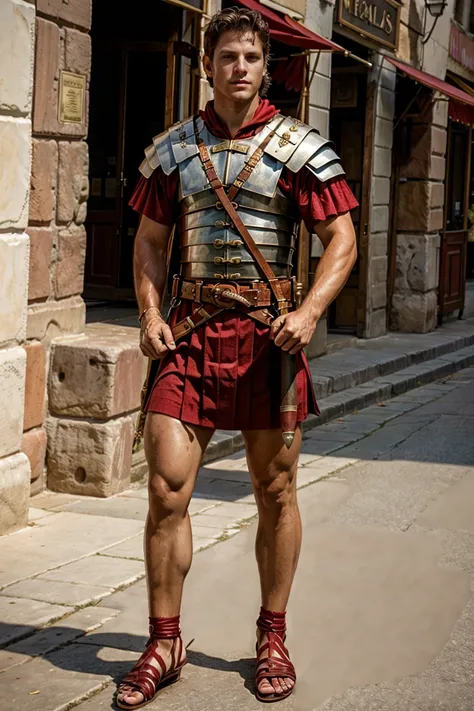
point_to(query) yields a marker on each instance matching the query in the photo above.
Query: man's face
(238, 66)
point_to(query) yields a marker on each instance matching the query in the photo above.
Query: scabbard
(289, 398)
(151, 373)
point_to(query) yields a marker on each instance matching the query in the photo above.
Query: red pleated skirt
(226, 375)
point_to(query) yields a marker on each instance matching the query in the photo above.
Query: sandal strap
(278, 662)
(164, 627)
(270, 621)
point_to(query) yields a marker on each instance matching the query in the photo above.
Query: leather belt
(227, 295)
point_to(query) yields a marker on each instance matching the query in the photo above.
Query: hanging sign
(72, 91)
(461, 48)
(377, 19)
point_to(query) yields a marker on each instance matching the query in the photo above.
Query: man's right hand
(156, 337)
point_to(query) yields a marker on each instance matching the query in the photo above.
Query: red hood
(218, 128)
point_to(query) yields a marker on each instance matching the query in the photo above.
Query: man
(219, 367)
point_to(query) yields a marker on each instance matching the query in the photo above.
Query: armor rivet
(286, 136)
(219, 223)
(182, 136)
(293, 128)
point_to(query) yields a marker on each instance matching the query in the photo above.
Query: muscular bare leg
(273, 472)
(174, 451)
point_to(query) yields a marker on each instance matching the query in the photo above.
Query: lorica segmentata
(211, 247)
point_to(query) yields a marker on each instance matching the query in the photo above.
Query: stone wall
(17, 40)
(382, 77)
(59, 190)
(319, 18)
(419, 221)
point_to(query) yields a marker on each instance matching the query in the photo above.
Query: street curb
(420, 372)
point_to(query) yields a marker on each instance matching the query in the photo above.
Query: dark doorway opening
(140, 61)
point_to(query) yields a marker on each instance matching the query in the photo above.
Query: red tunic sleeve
(156, 197)
(316, 200)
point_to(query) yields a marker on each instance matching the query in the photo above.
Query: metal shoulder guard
(171, 147)
(296, 145)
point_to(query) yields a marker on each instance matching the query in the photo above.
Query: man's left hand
(293, 331)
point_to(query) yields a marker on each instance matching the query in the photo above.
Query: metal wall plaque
(72, 92)
(377, 19)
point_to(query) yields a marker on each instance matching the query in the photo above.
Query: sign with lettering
(461, 48)
(377, 19)
(72, 91)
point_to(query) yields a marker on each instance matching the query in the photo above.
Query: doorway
(454, 238)
(347, 130)
(142, 81)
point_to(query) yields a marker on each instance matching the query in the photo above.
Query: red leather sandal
(274, 626)
(145, 677)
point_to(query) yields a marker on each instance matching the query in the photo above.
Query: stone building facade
(70, 391)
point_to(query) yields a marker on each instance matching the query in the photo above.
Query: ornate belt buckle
(222, 302)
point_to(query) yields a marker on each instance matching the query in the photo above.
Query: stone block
(15, 155)
(383, 132)
(382, 162)
(13, 286)
(380, 191)
(376, 324)
(319, 119)
(34, 446)
(12, 388)
(17, 23)
(14, 492)
(417, 263)
(52, 319)
(440, 112)
(387, 76)
(77, 52)
(437, 169)
(69, 275)
(91, 459)
(318, 344)
(437, 195)
(378, 245)
(378, 270)
(436, 220)
(320, 95)
(427, 148)
(35, 385)
(385, 103)
(379, 219)
(378, 296)
(73, 183)
(44, 170)
(414, 206)
(99, 375)
(48, 57)
(41, 245)
(77, 13)
(414, 312)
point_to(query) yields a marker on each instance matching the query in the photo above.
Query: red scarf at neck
(218, 128)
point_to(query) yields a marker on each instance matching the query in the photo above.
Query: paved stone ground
(382, 612)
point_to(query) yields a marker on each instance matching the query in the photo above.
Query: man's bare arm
(294, 331)
(149, 269)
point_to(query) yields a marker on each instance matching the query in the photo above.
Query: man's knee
(275, 490)
(169, 494)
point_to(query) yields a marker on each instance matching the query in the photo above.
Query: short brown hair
(241, 21)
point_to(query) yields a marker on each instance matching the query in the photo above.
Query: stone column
(383, 77)
(319, 18)
(419, 221)
(17, 38)
(59, 189)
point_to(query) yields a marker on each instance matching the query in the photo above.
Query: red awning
(461, 113)
(285, 29)
(433, 82)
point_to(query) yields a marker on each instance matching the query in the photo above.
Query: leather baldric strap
(229, 207)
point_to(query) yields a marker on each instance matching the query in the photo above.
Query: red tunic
(226, 374)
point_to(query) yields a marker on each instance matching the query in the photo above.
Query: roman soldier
(228, 188)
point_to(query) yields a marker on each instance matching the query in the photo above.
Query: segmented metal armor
(210, 246)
